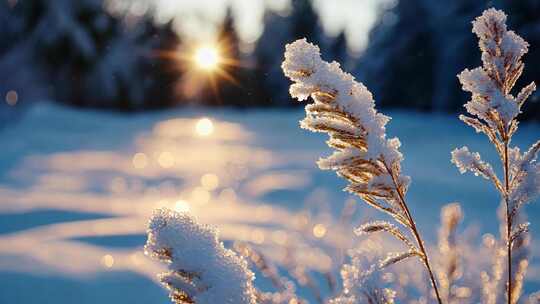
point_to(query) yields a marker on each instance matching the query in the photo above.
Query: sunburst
(207, 57)
(203, 65)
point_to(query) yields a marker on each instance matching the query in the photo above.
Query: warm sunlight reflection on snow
(107, 261)
(166, 159)
(209, 181)
(257, 236)
(172, 163)
(319, 231)
(200, 195)
(204, 127)
(182, 206)
(140, 160)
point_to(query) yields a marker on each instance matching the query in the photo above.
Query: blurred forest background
(93, 53)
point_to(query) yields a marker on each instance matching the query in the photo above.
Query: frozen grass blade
(494, 112)
(345, 110)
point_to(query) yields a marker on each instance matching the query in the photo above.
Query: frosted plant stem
(416, 234)
(494, 112)
(508, 220)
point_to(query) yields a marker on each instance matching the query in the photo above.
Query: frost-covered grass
(345, 110)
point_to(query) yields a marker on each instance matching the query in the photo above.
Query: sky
(199, 18)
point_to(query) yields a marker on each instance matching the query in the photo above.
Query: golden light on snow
(279, 237)
(12, 98)
(204, 127)
(162, 203)
(464, 292)
(257, 236)
(209, 181)
(207, 57)
(181, 206)
(118, 185)
(488, 240)
(227, 196)
(135, 259)
(140, 160)
(200, 195)
(319, 231)
(107, 261)
(166, 159)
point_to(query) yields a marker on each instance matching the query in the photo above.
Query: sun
(207, 57)
(203, 65)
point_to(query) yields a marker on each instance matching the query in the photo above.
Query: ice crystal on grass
(371, 163)
(345, 110)
(201, 270)
(471, 161)
(359, 284)
(491, 84)
(494, 111)
(525, 176)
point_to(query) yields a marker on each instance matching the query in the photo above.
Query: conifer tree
(89, 56)
(303, 21)
(339, 51)
(234, 87)
(401, 44)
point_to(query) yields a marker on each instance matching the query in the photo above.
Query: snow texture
(359, 285)
(496, 109)
(304, 66)
(467, 161)
(345, 109)
(526, 170)
(490, 85)
(199, 266)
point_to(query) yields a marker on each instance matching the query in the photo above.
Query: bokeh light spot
(12, 98)
(319, 231)
(140, 160)
(107, 261)
(166, 159)
(209, 181)
(182, 206)
(204, 127)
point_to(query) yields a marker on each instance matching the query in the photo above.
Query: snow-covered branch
(201, 270)
(345, 110)
(494, 112)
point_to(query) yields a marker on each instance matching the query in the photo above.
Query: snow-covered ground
(77, 188)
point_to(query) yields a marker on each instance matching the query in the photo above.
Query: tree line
(84, 54)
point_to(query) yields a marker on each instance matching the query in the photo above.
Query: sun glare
(207, 57)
